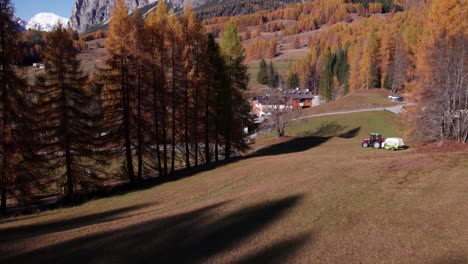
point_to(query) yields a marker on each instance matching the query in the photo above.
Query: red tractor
(375, 140)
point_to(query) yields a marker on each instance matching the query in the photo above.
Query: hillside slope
(318, 199)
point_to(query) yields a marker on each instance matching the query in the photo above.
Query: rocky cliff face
(88, 13)
(21, 23)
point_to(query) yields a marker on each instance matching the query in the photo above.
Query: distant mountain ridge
(89, 15)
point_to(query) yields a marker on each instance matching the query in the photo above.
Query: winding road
(397, 109)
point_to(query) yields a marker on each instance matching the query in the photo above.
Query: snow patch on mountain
(46, 22)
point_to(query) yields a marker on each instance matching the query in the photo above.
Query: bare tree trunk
(216, 144)
(65, 123)
(139, 124)
(164, 108)
(156, 125)
(3, 179)
(164, 128)
(173, 58)
(186, 121)
(70, 184)
(207, 119)
(4, 200)
(228, 120)
(196, 121)
(126, 120)
(227, 143)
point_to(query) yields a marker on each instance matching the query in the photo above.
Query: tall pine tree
(139, 91)
(214, 83)
(118, 84)
(69, 119)
(326, 76)
(175, 49)
(236, 108)
(262, 72)
(156, 43)
(19, 170)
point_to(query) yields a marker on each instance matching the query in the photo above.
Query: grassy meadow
(315, 196)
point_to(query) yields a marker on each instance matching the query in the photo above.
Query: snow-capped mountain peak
(46, 22)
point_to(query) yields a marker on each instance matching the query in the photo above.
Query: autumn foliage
(168, 97)
(441, 70)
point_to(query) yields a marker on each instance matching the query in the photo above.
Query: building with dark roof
(283, 99)
(298, 98)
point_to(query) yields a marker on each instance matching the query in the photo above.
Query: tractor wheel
(392, 149)
(365, 145)
(376, 145)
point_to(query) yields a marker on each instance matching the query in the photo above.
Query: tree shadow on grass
(29, 231)
(299, 144)
(191, 237)
(333, 129)
(308, 140)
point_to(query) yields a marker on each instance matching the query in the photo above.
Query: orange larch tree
(440, 87)
(118, 84)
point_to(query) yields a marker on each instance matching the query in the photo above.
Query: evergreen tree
(236, 108)
(262, 72)
(215, 83)
(293, 81)
(326, 76)
(341, 67)
(272, 76)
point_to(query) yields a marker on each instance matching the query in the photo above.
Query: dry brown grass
(95, 56)
(302, 200)
(444, 147)
(280, 63)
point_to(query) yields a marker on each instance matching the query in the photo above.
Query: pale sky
(25, 9)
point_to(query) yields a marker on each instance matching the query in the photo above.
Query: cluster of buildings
(283, 100)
